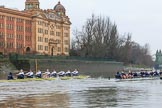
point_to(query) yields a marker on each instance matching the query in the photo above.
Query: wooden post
(36, 65)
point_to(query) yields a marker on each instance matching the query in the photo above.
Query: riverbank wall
(6, 66)
(103, 69)
(93, 68)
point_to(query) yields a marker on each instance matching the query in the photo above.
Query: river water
(81, 93)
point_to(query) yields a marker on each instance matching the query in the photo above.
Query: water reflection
(43, 101)
(101, 97)
(85, 93)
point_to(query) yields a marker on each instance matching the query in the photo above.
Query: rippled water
(85, 93)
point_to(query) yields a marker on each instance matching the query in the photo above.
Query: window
(1, 25)
(10, 36)
(1, 34)
(66, 42)
(10, 18)
(9, 45)
(59, 49)
(28, 38)
(46, 24)
(1, 17)
(19, 36)
(28, 29)
(40, 30)
(19, 28)
(28, 22)
(19, 45)
(59, 41)
(66, 50)
(66, 34)
(19, 20)
(52, 33)
(40, 22)
(1, 44)
(46, 48)
(58, 33)
(66, 28)
(40, 47)
(46, 40)
(40, 39)
(58, 27)
(9, 26)
(46, 31)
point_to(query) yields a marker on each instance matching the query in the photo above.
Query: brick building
(34, 30)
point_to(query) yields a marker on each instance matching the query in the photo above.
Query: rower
(155, 73)
(20, 75)
(130, 74)
(10, 77)
(147, 74)
(61, 73)
(39, 74)
(68, 73)
(160, 72)
(151, 73)
(135, 75)
(47, 74)
(75, 72)
(54, 73)
(29, 74)
(123, 75)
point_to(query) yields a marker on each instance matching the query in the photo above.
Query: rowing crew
(47, 74)
(123, 75)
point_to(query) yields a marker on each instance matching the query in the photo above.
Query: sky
(141, 18)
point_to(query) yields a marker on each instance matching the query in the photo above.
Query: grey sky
(142, 18)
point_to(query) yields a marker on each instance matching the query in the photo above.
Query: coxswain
(10, 76)
(118, 75)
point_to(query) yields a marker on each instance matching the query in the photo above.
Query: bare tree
(99, 37)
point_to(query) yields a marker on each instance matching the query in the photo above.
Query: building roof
(59, 7)
(14, 12)
(32, 0)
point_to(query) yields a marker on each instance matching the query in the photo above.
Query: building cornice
(14, 12)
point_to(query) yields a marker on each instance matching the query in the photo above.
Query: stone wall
(92, 68)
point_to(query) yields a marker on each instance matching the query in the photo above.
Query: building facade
(35, 31)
